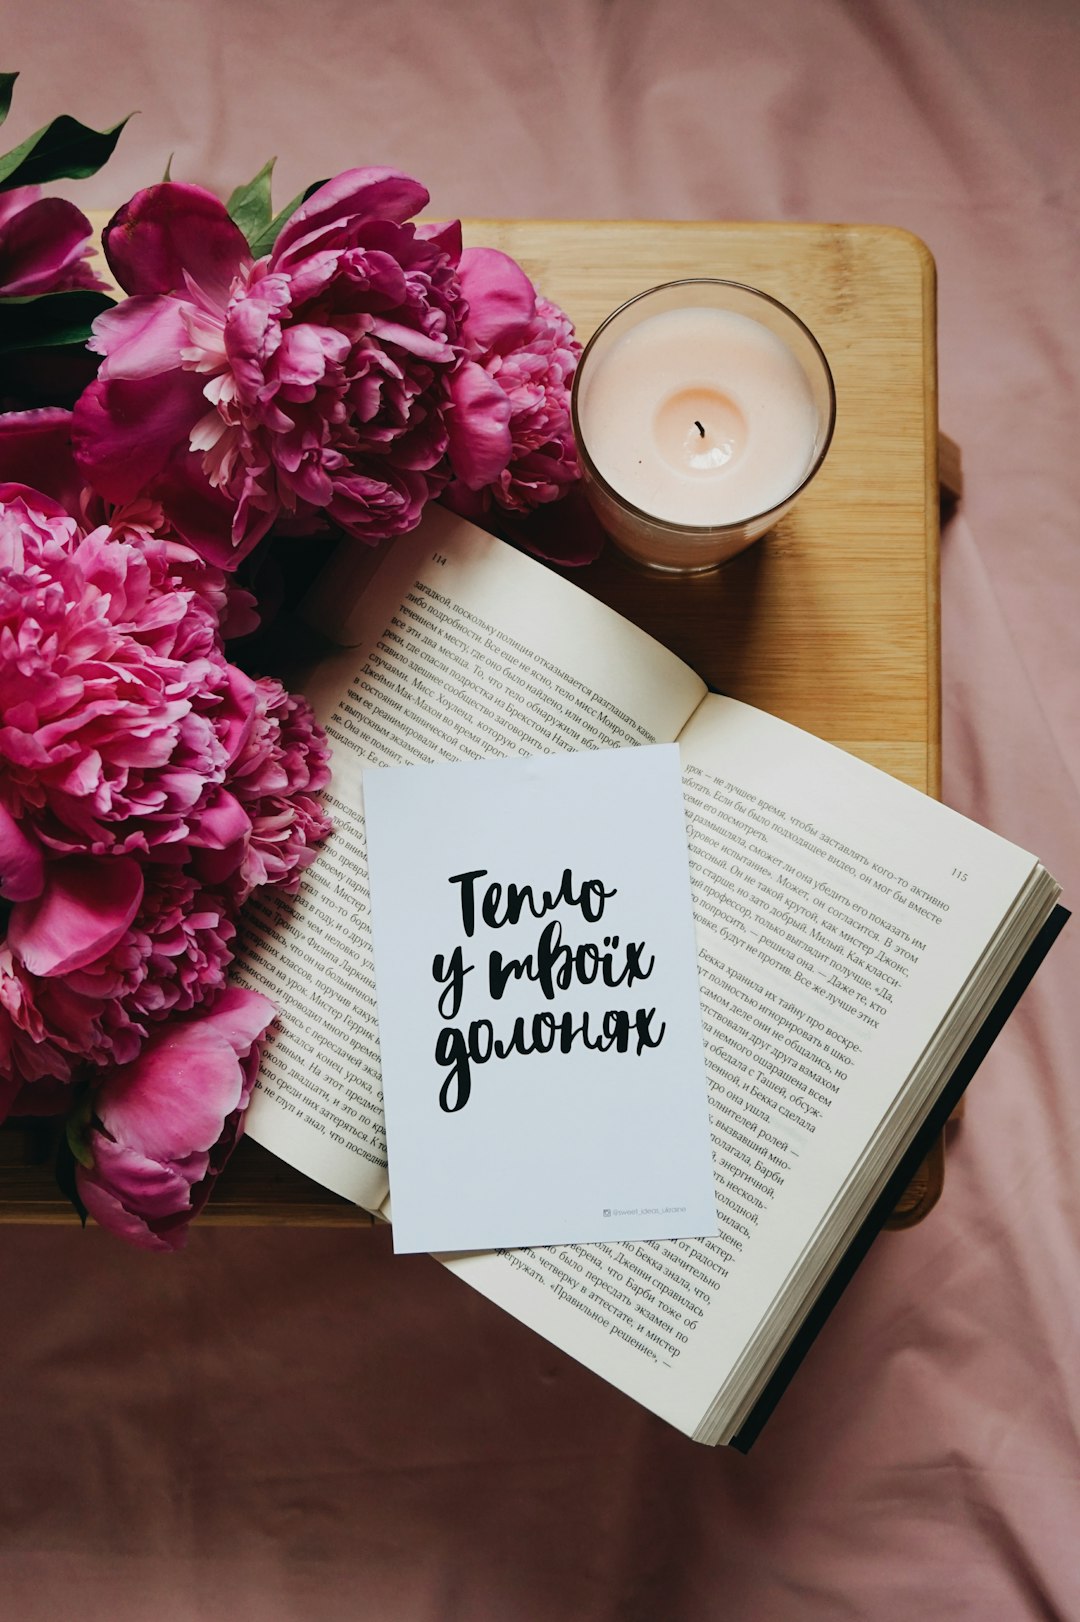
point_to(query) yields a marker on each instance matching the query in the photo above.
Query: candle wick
(699, 428)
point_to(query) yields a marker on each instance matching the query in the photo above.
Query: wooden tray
(831, 621)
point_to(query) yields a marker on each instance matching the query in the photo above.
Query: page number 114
(438, 557)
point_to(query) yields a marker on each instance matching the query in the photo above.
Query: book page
(839, 914)
(466, 650)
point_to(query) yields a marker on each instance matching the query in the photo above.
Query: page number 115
(958, 873)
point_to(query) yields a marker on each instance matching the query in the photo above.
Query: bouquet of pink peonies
(322, 372)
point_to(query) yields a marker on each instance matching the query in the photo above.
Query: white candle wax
(699, 416)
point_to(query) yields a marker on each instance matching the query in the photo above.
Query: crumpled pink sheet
(295, 1425)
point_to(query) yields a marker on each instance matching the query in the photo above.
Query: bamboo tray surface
(831, 621)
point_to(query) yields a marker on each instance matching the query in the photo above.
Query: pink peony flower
(124, 850)
(120, 713)
(36, 451)
(143, 523)
(311, 381)
(165, 1125)
(57, 1025)
(524, 346)
(276, 778)
(44, 245)
(30, 1053)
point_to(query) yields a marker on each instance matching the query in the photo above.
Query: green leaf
(77, 1130)
(7, 85)
(65, 1179)
(62, 150)
(168, 168)
(262, 244)
(249, 206)
(49, 320)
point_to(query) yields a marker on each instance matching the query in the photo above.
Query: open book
(856, 943)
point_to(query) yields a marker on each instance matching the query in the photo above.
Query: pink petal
(22, 868)
(145, 1183)
(39, 245)
(35, 449)
(107, 1210)
(256, 511)
(311, 274)
(14, 201)
(501, 300)
(173, 1100)
(125, 431)
(140, 337)
(412, 340)
(301, 360)
(156, 1188)
(241, 1017)
(358, 194)
(478, 423)
(201, 515)
(235, 720)
(223, 822)
(44, 506)
(171, 230)
(252, 334)
(444, 235)
(84, 909)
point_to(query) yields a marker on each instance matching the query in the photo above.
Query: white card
(539, 1022)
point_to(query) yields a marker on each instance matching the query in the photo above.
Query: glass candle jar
(702, 409)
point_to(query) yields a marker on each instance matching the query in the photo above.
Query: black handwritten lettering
(591, 899)
(555, 966)
(451, 976)
(459, 1050)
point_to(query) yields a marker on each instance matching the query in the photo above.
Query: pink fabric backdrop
(287, 1425)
